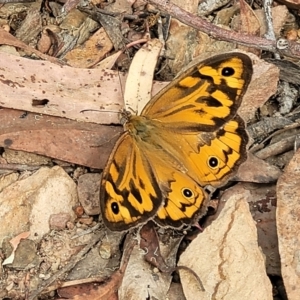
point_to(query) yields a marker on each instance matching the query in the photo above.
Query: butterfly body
(187, 137)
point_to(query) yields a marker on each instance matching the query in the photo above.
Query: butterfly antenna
(108, 141)
(121, 86)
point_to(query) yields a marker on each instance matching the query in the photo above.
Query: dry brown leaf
(91, 52)
(257, 170)
(106, 290)
(141, 280)
(262, 86)
(150, 244)
(249, 24)
(280, 15)
(8, 39)
(291, 3)
(249, 21)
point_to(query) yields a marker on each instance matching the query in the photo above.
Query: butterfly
(189, 136)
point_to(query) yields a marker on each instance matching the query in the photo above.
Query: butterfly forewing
(204, 97)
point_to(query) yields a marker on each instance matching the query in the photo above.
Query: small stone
(59, 221)
(88, 192)
(105, 250)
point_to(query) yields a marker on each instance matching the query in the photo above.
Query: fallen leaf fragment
(89, 95)
(7, 39)
(291, 3)
(226, 258)
(257, 170)
(150, 244)
(15, 242)
(91, 52)
(106, 290)
(141, 280)
(288, 226)
(82, 143)
(262, 86)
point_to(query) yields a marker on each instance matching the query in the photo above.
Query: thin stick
(283, 46)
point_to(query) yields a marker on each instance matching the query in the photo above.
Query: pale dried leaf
(140, 279)
(89, 95)
(140, 77)
(108, 62)
(262, 86)
(221, 257)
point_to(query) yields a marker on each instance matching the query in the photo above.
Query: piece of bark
(288, 226)
(76, 142)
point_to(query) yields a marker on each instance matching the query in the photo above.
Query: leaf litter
(69, 118)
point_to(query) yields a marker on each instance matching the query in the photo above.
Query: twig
(282, 146)
(290, 48)
(15, 1)
(270, 34)
(18, 167)
(57, 285)
(211, 29)
(86, 231)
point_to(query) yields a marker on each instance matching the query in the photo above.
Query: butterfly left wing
(140, 180)
(129, 194)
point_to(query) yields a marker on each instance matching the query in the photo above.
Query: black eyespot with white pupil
(228, 71)
(213, 162)
(115, 208)
(187, 193)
